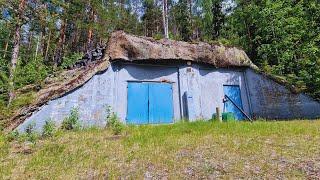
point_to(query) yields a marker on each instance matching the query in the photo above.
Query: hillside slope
(185, 150)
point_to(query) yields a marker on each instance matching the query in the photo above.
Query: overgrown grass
(21, 100)
(182, 150)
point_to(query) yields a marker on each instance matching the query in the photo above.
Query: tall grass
(182, 150)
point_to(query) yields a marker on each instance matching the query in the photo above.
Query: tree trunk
(16, 47)
(30, 41)
(90, 31)
(5, 49)
(190, 7)
(89, 41)
(165, 18)
(122, 3)
(59, 49)
(47, 47)
(37, 47)
(193, 29)
(44, 38)
(15, 50)
(145, 29)
(75, 39)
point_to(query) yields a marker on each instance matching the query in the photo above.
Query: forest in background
(39, 38)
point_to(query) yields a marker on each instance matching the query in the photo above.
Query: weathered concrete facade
(271, 100)
(197, 91)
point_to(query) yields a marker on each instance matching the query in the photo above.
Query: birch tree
(16, 47)
(165, 18)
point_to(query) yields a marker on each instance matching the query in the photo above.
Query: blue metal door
(160, 103)
(234, 93)
(149, 103)
(137, 112)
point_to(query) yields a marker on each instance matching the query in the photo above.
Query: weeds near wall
(31, 134)
(69, 123)
(72, 121)
(49, 128)
(12, 136)
(113, 122)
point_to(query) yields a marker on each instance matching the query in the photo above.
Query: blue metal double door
(149, 103)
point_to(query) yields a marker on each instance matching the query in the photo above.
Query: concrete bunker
(155, 82)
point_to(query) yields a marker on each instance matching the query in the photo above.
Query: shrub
(71, 60)
(4, 81)
(13, 135)
(158, 36)
(71, 122)
(31, 134)
(49, 128)
(1, 126)
(113, 122)
(30, 128)
(31, 72)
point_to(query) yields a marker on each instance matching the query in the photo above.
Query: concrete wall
(91, 99)
(212, 93)
(271, 100)
(197, 91)
(205, 86)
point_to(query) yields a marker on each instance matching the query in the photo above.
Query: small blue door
(233, 92)
(149, 103)
(160, 103)
(137, 112)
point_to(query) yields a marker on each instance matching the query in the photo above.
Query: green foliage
(113, 122)
(68, 61)
(49, 128)
(182, 20)
(152, 18)
(1, 126)
(282, 37)
(72, 121)
(4, 79)
(4, 147)
(158, 36)
(213, 20)
(31, 134)
(20, 101)
(31, 72)
(13, 135)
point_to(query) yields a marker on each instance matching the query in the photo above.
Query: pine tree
(213, 18)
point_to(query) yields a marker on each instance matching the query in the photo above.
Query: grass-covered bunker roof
(122, 46)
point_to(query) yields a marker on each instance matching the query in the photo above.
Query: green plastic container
(228, 116)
